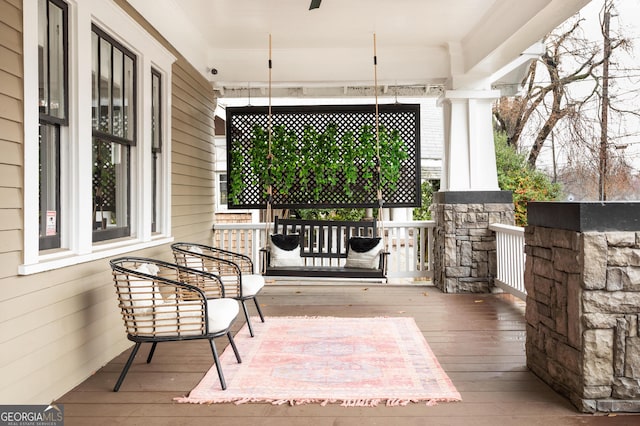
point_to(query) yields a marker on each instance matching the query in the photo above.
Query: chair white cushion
(144, 293)
(195, 262)
(252, 284)
(368, 258)
(221, 313)
(195, 249)
(171, 318)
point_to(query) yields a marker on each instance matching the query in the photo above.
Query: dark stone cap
(585, 216)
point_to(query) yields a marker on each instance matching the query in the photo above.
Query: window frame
(77, 245)
(222, 204)
(52, 119)
(53, 122)
(156, 149)
(110, 137)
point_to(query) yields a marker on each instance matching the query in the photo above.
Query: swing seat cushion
(364, 252)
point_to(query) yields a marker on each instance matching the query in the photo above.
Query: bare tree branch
(569, 58)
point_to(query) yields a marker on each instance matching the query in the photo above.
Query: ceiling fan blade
(315, 4)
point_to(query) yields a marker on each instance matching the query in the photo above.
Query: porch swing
(321, 248)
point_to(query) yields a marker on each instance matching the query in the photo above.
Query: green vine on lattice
(284, 149)
(367, 153)
(349, 162)
(393, 152)
(316, 161)
(235, 181)
(319, 162)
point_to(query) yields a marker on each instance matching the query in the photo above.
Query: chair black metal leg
(233, 346)
(134, 351)
(218, 366)
(255, 300)
(153, 349)
(246, 315)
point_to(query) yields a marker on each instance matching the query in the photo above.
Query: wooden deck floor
(478, 339)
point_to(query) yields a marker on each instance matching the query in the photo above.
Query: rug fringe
(360, 403)
(323, 402)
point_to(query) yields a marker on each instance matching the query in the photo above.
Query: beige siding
(11, 150)
(193, 178)
(10, 219)
(10, 131)
(10, 59)
(11, 136)
(59, 327)
(10, 84)
(10, 174)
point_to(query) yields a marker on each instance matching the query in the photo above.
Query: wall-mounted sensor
(214, 71)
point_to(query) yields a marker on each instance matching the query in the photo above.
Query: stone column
(582, 278)
(464, 249)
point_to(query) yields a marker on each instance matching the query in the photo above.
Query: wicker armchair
(235, 270)
(163, 302)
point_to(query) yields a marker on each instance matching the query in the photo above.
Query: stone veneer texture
(464, 247)
(583, 308)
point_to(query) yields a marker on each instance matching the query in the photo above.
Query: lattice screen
(241, 122)
(104, 177)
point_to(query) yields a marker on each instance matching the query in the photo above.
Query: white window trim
(76, 184)
(220, 207)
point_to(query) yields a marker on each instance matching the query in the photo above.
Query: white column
(469, 162)
(401, 214)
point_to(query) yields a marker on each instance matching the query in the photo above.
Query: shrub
(526, 183)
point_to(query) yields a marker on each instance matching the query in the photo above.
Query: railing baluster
(409, 256)
(511, 259)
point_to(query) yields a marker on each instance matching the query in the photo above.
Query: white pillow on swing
(285, 250)
(364, 252)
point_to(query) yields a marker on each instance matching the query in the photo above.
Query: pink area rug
(350, 361)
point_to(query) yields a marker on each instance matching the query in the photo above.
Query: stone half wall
(583, 304)
(464, 251)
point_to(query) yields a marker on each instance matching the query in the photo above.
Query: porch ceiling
(458, 43)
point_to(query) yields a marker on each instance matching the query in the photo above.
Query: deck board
(478, 339)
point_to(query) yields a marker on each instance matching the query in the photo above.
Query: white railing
(511, 259)
(409, 244)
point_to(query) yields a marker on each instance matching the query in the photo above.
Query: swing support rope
(378, 161)
(269, 211)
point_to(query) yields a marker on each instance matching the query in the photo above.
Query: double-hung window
(113, 134)
(222, 188)
(97, 102)
(53, 111)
